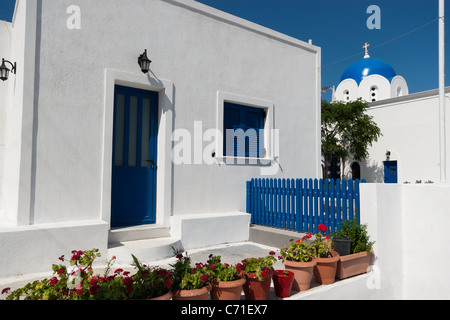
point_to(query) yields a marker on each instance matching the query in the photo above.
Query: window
(243, 131)
(374, 93)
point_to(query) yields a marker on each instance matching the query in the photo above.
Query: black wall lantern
(144, 62)
(4, 71)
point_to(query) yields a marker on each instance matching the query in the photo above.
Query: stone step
(273, 237)
(138, 233)
(147, 251)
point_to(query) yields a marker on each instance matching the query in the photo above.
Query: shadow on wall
(372, 171)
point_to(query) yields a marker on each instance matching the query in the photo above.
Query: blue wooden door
(133, 198)
(390, 172)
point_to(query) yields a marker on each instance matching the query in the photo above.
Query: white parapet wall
(34, 249)
(201, 230)
(409, 224)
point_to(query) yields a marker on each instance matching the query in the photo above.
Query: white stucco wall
(200, 54)
(410, 128)
(408, 224)
(59, 126)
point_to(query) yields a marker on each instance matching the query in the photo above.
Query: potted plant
(228, 279)
(326, 258)
(299, 259)
(190, 283)
(359, 259)
(78, 284)
(150, 283)
(258, 275)
(282, 283)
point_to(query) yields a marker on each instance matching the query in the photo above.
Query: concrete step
(138, 233)
(147, 251)
(273, 237)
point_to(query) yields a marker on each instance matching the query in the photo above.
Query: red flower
(239, 267)
(322, 228)
(263, 274)
(272, 253)
(53, 281)
(93, 282)
(127, 281)
(168, 283)
(161, 272)
(94, 290)
(118, 271)
(179, 256)
(79, 292)
(6, 290)
(213, 266)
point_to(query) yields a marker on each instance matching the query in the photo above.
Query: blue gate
(301, 204)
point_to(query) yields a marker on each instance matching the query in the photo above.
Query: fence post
(338, 194)
(298, 205)
(350, 199)
(316, 204)
(332, 216)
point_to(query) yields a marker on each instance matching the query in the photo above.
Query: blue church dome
(366, 67)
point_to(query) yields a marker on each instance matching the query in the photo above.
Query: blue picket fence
(303, 204)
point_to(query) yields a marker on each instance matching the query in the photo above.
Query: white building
(96, 154)
(409, 150)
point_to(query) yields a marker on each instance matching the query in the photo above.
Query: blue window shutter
(250, 121)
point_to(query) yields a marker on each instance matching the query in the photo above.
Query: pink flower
(213, 266)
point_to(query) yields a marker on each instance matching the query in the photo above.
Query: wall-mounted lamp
(144, 62)
(388, 155)
(4, 71)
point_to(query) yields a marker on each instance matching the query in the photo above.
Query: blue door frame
(133, 196)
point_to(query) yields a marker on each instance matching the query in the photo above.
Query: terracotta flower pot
(255, 289)
(283, 283)
(195, 294)
(303, 272)
(353, 264)
(167, 296)
(325, 269)
(227, 290)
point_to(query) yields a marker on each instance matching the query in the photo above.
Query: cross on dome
(366, 47)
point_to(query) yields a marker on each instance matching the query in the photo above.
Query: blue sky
(339, 28)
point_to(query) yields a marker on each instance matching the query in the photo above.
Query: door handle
(152, 161)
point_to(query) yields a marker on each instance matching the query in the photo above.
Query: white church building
(100, 150)
(409, 149)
